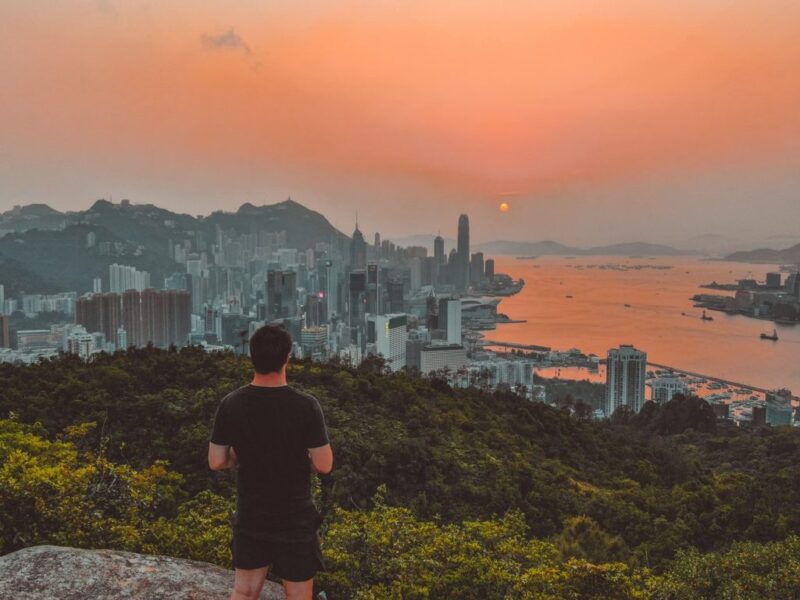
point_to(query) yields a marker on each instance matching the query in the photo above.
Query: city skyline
(591, 122)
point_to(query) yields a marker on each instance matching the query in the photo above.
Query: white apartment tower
(625, 378)
(389, 333)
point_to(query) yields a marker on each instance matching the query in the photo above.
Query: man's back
(271, 430)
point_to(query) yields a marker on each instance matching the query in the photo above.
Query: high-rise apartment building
(664, 388)
(160, 317)
(100, 313)
(625, 378)
(122, 278)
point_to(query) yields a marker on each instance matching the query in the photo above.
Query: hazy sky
(597, 121)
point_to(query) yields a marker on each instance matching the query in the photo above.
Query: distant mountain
(18, 278)
(637, 249)
(551, 248)
(30, 216)
(767, 255)
(421, 239)
(152, 227)
(44, 250)
(304, 227)
(510, 248)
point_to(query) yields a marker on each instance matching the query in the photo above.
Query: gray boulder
(53, 572)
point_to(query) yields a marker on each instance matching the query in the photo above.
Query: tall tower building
(625, 377)
(358, 250)
(438, 250)
(462, 276)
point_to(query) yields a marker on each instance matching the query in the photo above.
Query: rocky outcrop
(53, 572)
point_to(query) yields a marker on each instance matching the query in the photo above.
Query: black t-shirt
(271, 430)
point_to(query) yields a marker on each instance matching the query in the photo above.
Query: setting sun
(504, 207)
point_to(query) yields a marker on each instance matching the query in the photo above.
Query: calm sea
(595, 317)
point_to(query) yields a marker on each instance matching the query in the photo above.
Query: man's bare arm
(321, 459)
(220, 457)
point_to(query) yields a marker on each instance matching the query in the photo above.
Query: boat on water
(773, 337)
(569, 296)
(627, 305)
(705, 317)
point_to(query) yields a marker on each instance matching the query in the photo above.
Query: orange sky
(607, 120)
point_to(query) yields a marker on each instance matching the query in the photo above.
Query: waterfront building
(389, 334)
(495, 373)
(476, 268)
(435, 357)
(773, 280)
(760, 415)
(664, 388)
(489, 269)
(625, 378)
(792, 285)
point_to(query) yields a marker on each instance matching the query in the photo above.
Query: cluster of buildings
(345, 298)
(777, 298)
(627, 376)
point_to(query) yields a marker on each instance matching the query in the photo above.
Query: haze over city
(597, 122)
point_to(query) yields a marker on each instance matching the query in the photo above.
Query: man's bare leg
(247, 583)
(298, 590)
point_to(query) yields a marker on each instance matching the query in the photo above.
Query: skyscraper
(358, 251)
(450, 319)
(625, 378)
(476, 268)
(461, 279)
(489, 269)
(438, 250)
(280, 294)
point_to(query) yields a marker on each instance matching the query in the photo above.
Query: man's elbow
(324, 469)
(216, 465)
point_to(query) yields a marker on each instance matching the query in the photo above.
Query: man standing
(277, 435)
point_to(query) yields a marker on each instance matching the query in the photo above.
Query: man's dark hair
(269, 347)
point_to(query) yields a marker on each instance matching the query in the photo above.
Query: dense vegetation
(436, 492)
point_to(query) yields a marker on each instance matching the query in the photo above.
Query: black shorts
(291, 559)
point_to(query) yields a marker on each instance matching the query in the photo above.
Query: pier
(529, 347)
(737, 384)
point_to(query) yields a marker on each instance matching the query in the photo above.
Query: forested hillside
(511, 498)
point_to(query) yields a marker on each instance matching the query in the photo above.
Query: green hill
(620, 496)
